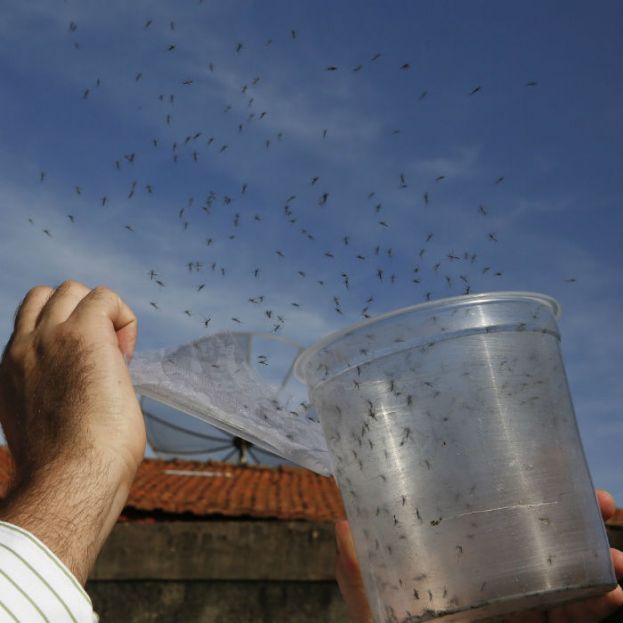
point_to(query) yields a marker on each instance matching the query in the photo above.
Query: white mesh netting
(213, 379)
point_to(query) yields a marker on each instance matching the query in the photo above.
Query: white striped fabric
(35, 586)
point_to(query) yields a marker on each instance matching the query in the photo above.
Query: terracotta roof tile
(201, 489)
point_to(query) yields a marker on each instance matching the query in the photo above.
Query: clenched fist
(70, 417)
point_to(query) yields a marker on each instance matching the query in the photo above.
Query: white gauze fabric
(211, 379)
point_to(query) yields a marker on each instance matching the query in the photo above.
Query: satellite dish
(173, 434)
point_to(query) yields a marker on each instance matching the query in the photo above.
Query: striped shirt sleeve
(35, 586)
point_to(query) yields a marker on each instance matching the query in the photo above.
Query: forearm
(71, 508)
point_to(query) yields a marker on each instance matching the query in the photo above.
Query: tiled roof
(200, 489)
(166, 489)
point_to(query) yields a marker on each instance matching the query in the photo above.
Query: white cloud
(458, 162)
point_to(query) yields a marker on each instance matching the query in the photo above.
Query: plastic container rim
(484, 297)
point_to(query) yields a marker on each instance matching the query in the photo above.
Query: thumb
(102, 305)
(126, 337)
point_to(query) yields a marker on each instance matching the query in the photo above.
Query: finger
(354, 597)
(346, 551)
(345, 545)
(102, 306)
(62, 303)
(607, 504)
(589, 610)
(597, 608)
(348, 575)
(29, 309)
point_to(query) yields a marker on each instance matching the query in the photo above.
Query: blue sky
(556, 215)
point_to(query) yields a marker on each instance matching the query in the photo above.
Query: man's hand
(586, 611)
(71, 418)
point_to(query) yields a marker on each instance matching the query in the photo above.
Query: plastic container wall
(456, 449)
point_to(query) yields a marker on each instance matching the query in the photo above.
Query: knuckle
(103, 292)
(130, 311)
(16, 359)
(36, 290)
(13, 352)
(70, 284)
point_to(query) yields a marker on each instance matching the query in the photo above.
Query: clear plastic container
(456, 449)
